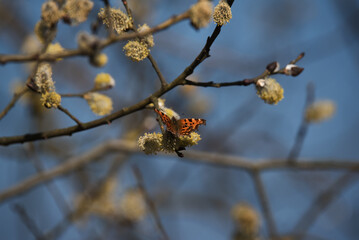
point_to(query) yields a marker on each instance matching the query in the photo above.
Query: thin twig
(303, 129)
(244, 82)
(128, 10)
(28, 221)
(14, 99)
(61, 108)
(263, 199)
(160, 27)
(208, 158)
(158, 71)
(150, 202)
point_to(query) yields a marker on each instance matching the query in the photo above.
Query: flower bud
(100, 104)
(43, 78)
(51, 99)
(273, 67)
(132, 206)
(104, 80)
(118, 20)
(201, 13)
(50, 13)
(222, 13)
(87, 42)
(246, 220)
(269, 90)
(148, 39)
(99, 59)
(292, 70)
(136, 51)
(320, 111)
(77, 11)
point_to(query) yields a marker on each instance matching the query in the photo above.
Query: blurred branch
(263, 199)
(29, 223)
(14, 99)
(150, 202)
(22, 58)
(65, 168)
(303, 129)
(215, 159)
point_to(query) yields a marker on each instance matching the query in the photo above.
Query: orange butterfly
(182, 126)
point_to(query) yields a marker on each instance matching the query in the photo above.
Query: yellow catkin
(201, 13)
(104, 80)
(118, 20)
(269, 90)
(132, 206)
(100, 104)
(148, 39)
(51, 99)
(55, 48)
(222, 13)
(320, 111)
(50, 12)
(150, 143)
(43, 78)
(99, 60)
(77, 10)
(136, 51)
(246, 219)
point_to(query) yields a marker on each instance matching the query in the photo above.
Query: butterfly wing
(167, 121)
(188, 125)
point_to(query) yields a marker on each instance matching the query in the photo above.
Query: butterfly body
(182, 126)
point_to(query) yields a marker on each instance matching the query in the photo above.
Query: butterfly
(182, 126)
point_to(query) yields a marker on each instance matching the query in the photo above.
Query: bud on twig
(260, 83)
(293, 70)
(273, 67)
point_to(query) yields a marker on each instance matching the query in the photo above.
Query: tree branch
(14, 99)
(215, 159)
(303, 129)
(263, 199)
(64, 110)
(29, 223)
(158, 71)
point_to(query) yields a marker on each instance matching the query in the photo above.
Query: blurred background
(194, 201)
